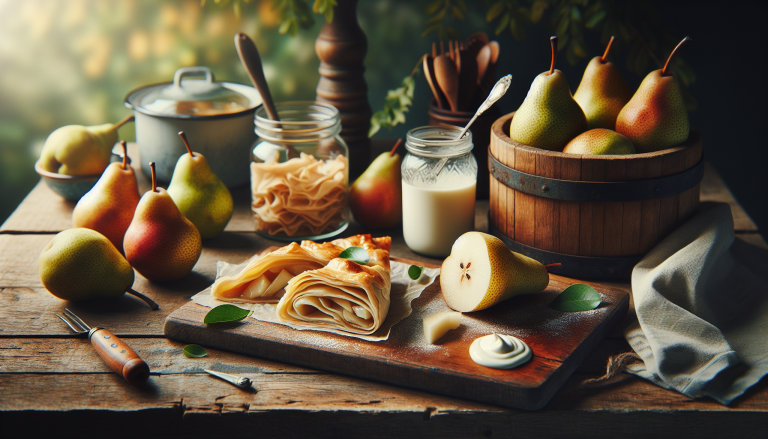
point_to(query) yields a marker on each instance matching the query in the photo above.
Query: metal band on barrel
(567, 190)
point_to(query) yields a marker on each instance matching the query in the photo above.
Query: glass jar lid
(439, 141)
(194, 97)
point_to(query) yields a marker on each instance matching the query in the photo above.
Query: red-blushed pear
(549, 117)
(376, 197)
(109, 206)
(602, 92)
(656, 117)
(161, 243)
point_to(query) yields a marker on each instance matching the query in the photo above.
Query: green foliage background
(73, 62)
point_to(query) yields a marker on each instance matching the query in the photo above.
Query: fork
(118, 355)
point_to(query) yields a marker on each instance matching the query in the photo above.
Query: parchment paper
(404, 291)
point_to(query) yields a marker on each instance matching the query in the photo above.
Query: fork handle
(119, 356)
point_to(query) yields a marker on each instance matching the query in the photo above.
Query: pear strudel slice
(344, 295)
(264, 279)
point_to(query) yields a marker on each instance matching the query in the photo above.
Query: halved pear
(481, 272)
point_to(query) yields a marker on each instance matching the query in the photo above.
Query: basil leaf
(414, 272)
(194, 351)
(355, 254)
(577, 297)
(226, 313)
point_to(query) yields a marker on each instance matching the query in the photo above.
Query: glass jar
(439, 181)
(299, 173)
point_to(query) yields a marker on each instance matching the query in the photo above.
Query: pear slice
(257, 288)
(280, 282)
(481, 272)
(437, 325)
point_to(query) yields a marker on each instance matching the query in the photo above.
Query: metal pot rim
(135, 95)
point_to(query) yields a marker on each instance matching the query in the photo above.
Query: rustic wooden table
(53, 383)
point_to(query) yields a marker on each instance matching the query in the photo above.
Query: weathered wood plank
(309, 392)
(544, 208)
(569, 211)
(615, 170)
(164, 356)
(525, 204)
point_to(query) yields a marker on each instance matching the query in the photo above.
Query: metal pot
(217, 118)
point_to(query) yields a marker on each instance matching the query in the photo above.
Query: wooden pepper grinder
(341, 47)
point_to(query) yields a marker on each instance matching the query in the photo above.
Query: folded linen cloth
(702, 310)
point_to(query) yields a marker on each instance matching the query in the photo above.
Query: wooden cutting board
(560, 342)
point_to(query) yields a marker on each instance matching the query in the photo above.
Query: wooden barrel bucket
(596, 215)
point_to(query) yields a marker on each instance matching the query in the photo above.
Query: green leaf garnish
(194, 351)
(414, 271)
(226, 313)
(577, 297)
(356, 254)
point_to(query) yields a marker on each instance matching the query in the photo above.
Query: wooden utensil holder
(596, 215)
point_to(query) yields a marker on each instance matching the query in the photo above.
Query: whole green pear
(602, 92)
(81, 264)
(199, 194)
(549, 116)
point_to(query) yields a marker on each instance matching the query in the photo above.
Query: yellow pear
(549, 117)
(80, 150)
(481, 272)
(600, 141)
(602, 92)
(82, 264)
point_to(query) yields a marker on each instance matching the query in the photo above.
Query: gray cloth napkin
(702, 310)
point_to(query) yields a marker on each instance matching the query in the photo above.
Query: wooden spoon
(448, 80)
(251, 60)
(429, 73)
(483, 59)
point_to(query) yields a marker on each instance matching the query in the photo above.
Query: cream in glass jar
(439, 180)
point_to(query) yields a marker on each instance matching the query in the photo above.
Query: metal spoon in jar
(498, 91)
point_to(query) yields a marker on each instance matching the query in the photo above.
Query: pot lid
(192, 97)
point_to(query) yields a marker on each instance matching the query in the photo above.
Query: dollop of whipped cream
(500, 351)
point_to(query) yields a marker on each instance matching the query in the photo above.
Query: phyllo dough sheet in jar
(303, 196)
(344, 295)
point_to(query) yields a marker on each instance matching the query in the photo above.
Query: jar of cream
(439, 175)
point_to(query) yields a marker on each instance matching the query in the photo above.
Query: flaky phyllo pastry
(265, 278)
(344, 295)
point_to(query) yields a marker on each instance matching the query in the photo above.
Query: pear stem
(604, 59)
(672, 55)
(397, 145)
(124, 120)
(152, 304)
(154, 176)
(553, 266)
(186, 143)
(125, 154)
(553, 43)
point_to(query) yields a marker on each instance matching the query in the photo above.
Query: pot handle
(192, 71)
